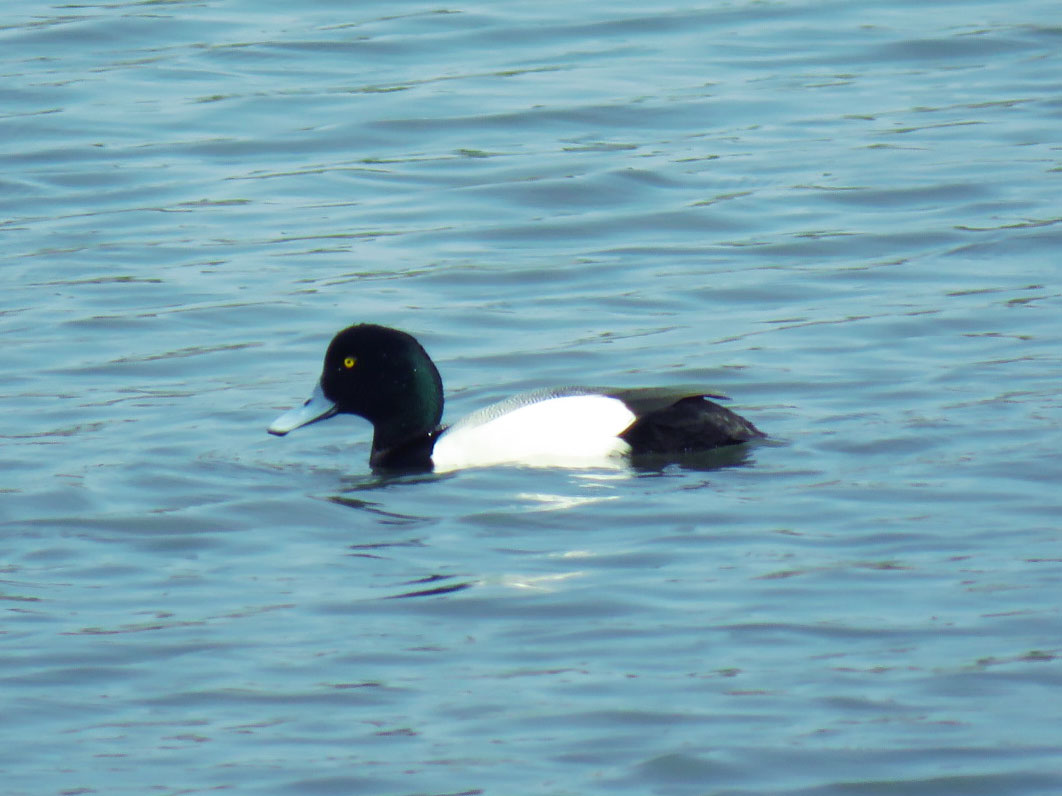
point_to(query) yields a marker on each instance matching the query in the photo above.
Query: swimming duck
(387, 377)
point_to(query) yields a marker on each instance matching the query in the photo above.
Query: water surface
(844, 216)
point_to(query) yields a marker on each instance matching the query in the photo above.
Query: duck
(385, 376)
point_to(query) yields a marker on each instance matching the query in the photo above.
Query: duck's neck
(411, 453)
(405, 431)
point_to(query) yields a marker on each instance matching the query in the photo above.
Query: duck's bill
(317, 407)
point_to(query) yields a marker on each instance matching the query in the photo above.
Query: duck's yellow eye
(349, 362)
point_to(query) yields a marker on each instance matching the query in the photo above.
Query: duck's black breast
(691, 423)
(413, 454)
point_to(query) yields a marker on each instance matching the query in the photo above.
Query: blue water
(843, 215)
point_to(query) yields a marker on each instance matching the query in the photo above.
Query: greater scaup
(387, 377)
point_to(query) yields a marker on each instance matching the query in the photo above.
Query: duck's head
(381, 374)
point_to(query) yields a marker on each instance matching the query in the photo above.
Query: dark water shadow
(349, 496)
(355, 491)
(351, 486)
(432, 590)
(725, 458)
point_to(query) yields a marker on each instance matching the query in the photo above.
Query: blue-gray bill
(317, 407)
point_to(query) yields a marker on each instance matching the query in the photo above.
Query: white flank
(566, 431)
